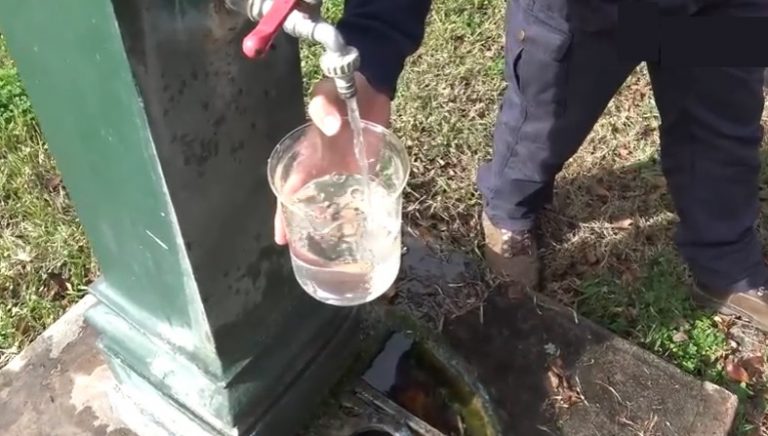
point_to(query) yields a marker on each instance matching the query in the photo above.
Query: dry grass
(44, 256)
(445, 112)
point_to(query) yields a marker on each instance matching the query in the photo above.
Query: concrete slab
(59, 385)
(549, 371)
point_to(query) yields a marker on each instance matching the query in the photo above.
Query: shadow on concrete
(516, 349)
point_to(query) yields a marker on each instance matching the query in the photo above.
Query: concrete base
(60, 384)
(548, 372)
(534, 358)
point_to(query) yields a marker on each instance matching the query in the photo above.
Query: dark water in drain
(407, 373)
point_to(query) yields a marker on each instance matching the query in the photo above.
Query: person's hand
(327, 111)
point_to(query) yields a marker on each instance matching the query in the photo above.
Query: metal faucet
(302, 19)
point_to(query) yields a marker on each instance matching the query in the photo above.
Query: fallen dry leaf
(628, 277)
(571, 398)
(58, 286)
(553, 381)
(659, 181)
(623, 224)
(723, 322)
(415, 400)
(754, 365)
(53, 183)
(630, 313)
(735, 372)
(598, 190)
(591, 257)
(561, 386)
(556, 366)
(679, 337)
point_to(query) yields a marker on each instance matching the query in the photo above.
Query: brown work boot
(511, 255)
(751, 305)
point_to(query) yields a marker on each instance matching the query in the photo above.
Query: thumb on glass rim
(325, 108)
(280, 236)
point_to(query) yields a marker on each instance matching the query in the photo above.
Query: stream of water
(353, 113)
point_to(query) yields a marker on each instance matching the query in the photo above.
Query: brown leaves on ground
(591, 257)
(724, 323)
(745, 370)
(624, 152)
(623, 224)
(755, 366)
(563, 391)
(745, 362)
(679, 337)
(58, 287)
(53, 183)
(735, 371)
(599, 191)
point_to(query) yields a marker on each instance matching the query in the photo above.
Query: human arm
(385, 32)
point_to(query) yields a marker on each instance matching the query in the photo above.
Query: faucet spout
(301, 19)
(339, 61)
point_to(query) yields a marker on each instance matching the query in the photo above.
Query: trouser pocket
(536, 49)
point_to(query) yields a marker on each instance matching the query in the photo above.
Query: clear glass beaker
(344, 235)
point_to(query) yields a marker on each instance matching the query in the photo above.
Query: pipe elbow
(303, 27)
(330, 37)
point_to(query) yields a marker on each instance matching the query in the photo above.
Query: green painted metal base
(161, 129)
(160, 392)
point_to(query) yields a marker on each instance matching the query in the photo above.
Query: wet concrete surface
(436, 284)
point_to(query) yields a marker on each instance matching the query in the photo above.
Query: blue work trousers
(562, 69)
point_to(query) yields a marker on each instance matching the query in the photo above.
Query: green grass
(656, 312)
(628, 278)
(44, 257)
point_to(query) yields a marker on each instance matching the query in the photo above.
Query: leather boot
(751, 305)
(512, 255)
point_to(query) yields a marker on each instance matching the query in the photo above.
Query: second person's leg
(710, 149)
(559, 80)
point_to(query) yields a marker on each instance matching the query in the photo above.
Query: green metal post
(161, 130)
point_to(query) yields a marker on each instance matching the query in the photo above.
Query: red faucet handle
(258, 41)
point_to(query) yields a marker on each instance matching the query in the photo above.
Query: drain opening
(412, 376)
(374, 431)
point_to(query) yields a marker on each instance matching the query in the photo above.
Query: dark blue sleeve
(385, 32)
